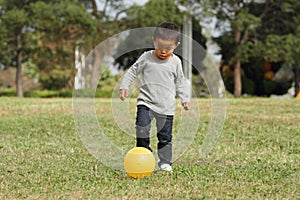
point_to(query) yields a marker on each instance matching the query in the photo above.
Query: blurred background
(43, 43)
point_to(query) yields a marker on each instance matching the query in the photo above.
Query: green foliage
(199, 87)
(227, 47)
(283, 48)
(106, 84)
(66, 93)
(107, 80)
(274, 45)
(7, 92)
(151, 14)
(46, 19)
(41, 93)
(49, 32)
(257, 30)
(245, 20)
(105, 87)
(99, 93)
(50, 29)
(249, 86)
(71, 22)
(30, 69)
(12, 22)
(14, 19)
(246, 51)
(57, 79)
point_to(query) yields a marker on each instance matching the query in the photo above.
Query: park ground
(257, 155)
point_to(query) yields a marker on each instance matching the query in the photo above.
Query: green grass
(256, 157)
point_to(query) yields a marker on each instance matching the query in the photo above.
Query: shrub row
(53, 94)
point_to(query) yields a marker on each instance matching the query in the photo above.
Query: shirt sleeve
(183, 89)
(132, 73)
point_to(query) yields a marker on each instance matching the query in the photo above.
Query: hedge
(55, 94)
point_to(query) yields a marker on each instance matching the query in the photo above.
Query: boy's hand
(186, 105)
(123, 93)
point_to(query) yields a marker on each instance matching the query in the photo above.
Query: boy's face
(164, 48)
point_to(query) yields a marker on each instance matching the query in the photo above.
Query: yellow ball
(139, 162)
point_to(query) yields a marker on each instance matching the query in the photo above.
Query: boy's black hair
(167, 31)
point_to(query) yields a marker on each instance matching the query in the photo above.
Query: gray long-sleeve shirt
(161, 81)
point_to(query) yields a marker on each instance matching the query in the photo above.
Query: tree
(282, 44)
(61, 26)
(14, 23)
(248, 26)
(242, 25)
(44, 31)
(107, 15)
(150, 15)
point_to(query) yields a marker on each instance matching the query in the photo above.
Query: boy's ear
(178, 43)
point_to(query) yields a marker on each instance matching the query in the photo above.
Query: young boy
(161, 80)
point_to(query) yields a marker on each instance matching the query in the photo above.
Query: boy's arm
(129, 76)
(123, 93)
(127, 79)
(186, 105)
(182, 88)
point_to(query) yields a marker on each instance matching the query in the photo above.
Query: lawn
(256, 157)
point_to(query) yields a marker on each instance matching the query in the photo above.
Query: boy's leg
(164, 125)
(143, 124)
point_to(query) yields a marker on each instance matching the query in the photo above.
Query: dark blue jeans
(164, 124)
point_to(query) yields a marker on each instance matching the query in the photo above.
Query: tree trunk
(19, 66)
(237, 79)
(237, 68)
